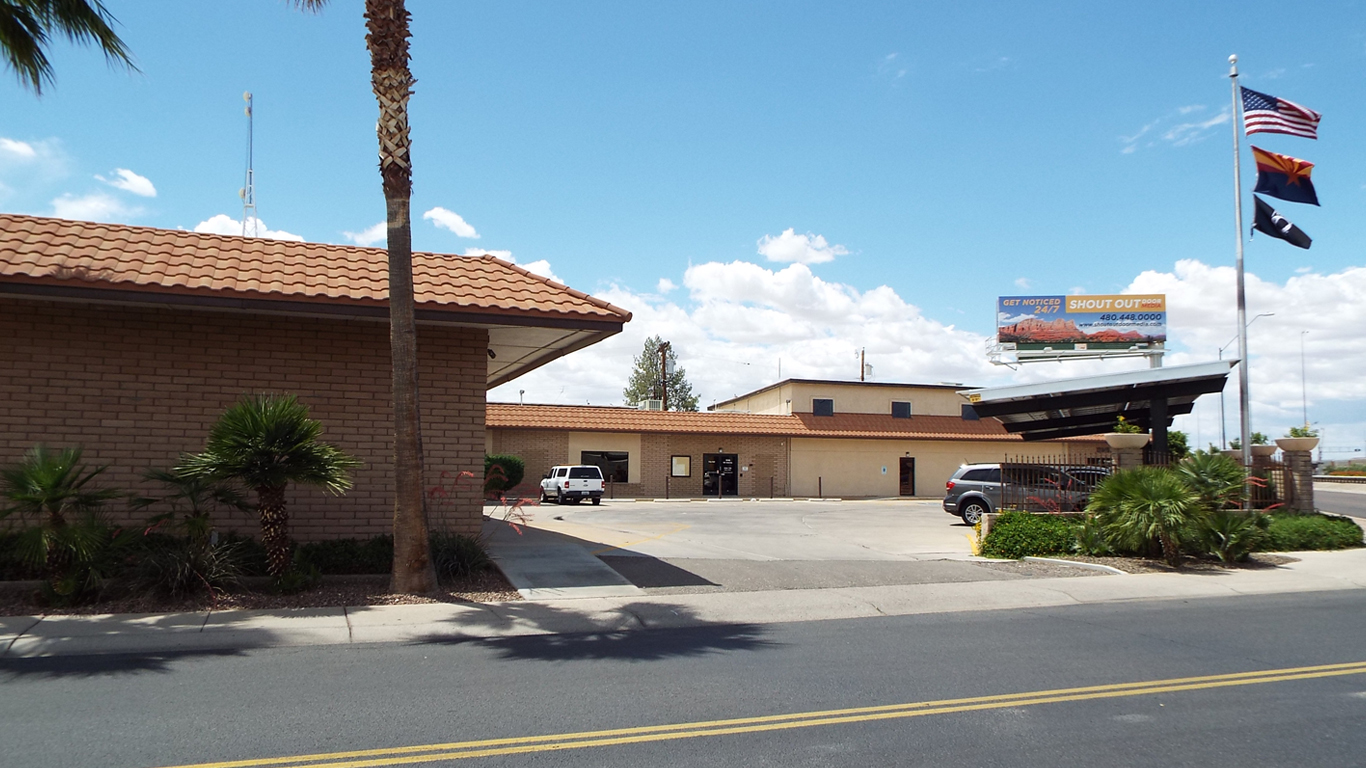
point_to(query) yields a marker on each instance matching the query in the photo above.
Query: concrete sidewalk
(234, 631)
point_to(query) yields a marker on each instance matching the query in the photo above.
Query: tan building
(130, 341)
(798, 437)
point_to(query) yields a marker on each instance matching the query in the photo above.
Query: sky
(770, 186)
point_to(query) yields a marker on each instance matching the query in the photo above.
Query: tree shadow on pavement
(54, 667)
(631, 632)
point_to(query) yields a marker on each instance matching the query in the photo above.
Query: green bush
(179, 567)
(1020, 534)
(12, 566)
(456, 556)
(1229, 535)
(350, 556)
(502, 472)
(1292, 533)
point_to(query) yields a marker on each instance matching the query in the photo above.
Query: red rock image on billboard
(1081, 322)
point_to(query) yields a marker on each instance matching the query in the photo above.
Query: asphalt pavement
(1198, 682)
(1341, 498)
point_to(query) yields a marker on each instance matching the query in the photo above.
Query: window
(901, 410)
(822, 406)
(614, 464)
(970, 413)
(681, 466)
(561, 472)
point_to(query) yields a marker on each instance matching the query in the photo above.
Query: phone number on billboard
(1131, 318)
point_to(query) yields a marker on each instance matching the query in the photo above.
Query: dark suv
(976, 489)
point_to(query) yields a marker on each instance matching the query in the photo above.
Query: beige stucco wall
(850, 397)
(608, 441)
(770, 401)
(852, 467)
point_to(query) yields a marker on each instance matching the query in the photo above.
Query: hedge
(1015, 535)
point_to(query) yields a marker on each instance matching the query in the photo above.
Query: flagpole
(1245, 438)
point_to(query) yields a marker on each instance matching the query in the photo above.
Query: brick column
(1127, 458)
(1299, 466)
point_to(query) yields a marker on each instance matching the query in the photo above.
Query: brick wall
(137, 387)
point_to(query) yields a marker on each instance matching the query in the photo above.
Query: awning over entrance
(1091, 405)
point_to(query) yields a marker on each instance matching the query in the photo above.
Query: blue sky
(927, 158)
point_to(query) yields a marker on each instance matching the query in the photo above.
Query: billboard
(1081, 323)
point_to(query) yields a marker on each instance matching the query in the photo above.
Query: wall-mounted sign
(1081, 323)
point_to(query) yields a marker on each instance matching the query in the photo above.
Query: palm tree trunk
(274, 528)
(387, 39)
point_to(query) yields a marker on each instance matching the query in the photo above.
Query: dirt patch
(487, 587)
(1257, 561)
(1030, 570)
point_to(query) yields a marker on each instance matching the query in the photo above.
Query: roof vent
(651, 405)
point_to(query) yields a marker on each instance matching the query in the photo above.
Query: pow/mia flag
(1268, 221)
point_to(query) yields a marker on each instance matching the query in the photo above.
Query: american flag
(1268, 114)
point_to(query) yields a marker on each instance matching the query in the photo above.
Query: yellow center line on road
(371, 758)
(597, 552)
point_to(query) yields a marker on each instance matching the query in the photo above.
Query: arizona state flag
(1268, 221)
(1284, 177)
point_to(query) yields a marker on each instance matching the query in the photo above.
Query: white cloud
(1023, 283)
(96, 206)
(1186, 110)
(19, 149)
(1189, 133)
(128, 181)
(223, 224)
(665, 285)
(541, 267)
(377, 233)
(741, 318)
(452, 221)
(803, 249)
(504, 255)
(1179, 135)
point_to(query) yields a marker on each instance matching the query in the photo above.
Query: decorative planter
(1297, 443)
(1263, 450)
(1127, 439)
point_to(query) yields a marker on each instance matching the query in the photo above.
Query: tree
(387, 33)
(646, 377)
(1178, 444)
(27, 26)
(268, 442)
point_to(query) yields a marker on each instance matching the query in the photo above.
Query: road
(1350, 500)
(422, 704)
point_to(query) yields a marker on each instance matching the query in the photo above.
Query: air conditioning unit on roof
(651, 405)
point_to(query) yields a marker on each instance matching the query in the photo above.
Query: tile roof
(57, 253)
(608, 419)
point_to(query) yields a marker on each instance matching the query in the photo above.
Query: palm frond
(27, 26)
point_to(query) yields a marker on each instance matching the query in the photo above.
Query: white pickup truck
(572, 483)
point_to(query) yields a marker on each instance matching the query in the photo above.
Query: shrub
(1146, 504)
(1230, 535)
(1020, 534)
(1091, 538)
(180, 567)
(350, 556)
(1215, 478)
(457, 557)
(1291, 533)
(502, 472)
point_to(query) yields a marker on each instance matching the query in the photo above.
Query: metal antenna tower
(250, 224)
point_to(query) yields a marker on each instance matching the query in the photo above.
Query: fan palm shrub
(1144, 504)
(268, 442)
(54, 491)
(180, 555)
(1215, 478)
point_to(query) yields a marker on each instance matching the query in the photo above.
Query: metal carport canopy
(1091, 405)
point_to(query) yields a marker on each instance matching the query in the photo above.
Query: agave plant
(268, 442)
(1143, 504)
(54, 490)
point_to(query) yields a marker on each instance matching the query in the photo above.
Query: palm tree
(27, 25)
(1146, 503)
(54, 488)
(268, 442)
(386, 22)
(1217, 479)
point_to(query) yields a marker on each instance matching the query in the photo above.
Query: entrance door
(720, 470)
(907, 476)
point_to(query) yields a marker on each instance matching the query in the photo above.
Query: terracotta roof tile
(58, 252)
(608, 419)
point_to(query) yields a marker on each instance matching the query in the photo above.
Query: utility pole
(664, 375)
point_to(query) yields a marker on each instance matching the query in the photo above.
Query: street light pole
(1223, 426)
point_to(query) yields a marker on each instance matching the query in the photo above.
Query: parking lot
(680, 546)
